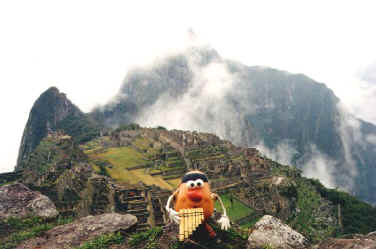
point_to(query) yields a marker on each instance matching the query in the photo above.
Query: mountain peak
(52, 111)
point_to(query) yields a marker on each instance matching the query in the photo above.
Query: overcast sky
(86, 47)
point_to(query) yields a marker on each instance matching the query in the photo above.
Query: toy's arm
(224, 221)
(172, 214)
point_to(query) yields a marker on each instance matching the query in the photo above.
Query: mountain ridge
(53, 111)
(132, 169)
(253, 107)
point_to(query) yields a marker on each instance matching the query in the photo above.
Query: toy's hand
(173, 215)
(224, 221)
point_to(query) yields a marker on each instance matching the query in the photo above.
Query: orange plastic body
(184, 200)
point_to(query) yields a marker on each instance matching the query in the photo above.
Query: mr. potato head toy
(194, 192)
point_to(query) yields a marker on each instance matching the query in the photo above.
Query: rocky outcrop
(75, 234)
(16, 200)
(357, 241)
(271, 232)
(51, 112)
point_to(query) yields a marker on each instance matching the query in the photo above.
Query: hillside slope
(134, 170)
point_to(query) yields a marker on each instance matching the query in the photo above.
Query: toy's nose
(194, 195)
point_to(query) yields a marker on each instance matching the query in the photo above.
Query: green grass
(103, 241)
(149, 237)
(250, 223)
(236, 211)
(308, 201)
(144, 145)
(18, 230)
(123, 157)
(15, 238)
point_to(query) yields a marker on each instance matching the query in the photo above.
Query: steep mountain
(133, 170)
(53, 111)
(290, 117)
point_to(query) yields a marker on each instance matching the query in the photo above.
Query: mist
(195, 89)
(203, 107)
(368, 74)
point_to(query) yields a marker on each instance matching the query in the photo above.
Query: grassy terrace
(174, 182)
(150, 180)
(117, 161)
(143, 144)
(236, 211)
(123, 158)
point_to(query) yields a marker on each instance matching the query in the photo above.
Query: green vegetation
(250, 223)
(125, 127)
(207, 152)
(119, 160)
(308, 201)
(123, 157)
(17, 237)
(268, 246)
(116, 161)
(146, 145)
(103, 241)
(148, 237)
(357, 216)
(80, 127)
(17, 230)
(235, 210)
(53, 152)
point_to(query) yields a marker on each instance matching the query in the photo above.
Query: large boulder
(75, 234)
(357, 241)
(271, 232)
(18, 201)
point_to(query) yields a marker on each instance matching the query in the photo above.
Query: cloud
(320, 166)
(193, 89)
(313, 163)
(332, 172)
(368, 74)
(349, 130)
(358, 92)
(283, 153)
(203, 106)
(371, 139)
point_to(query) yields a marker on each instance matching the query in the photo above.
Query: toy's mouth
(195, 195)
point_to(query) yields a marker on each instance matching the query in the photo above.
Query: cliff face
(51, 112)
(295, 119)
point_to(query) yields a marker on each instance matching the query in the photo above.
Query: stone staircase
(158, 198)
(134, 201)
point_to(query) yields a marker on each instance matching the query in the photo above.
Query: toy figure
(194, 192)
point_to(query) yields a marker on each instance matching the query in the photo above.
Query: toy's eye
(199, 183)
(191, 184)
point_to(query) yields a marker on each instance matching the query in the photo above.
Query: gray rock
(16, 200)
(271, 232)
(75, 234)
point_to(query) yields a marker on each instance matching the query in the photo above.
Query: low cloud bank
(204, 95)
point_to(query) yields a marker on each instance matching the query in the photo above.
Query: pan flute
(190, 219)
